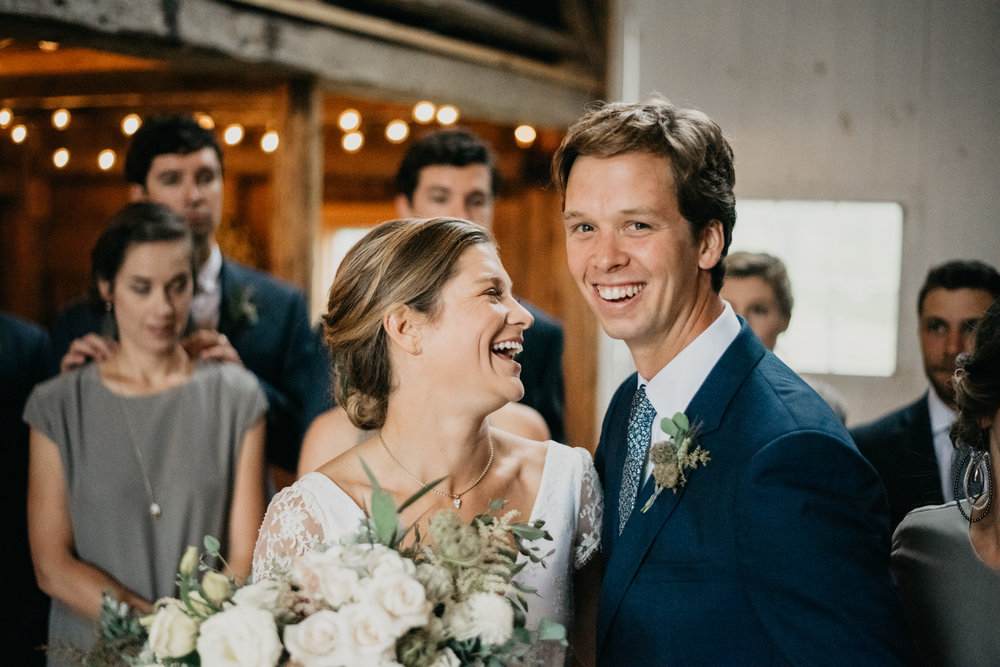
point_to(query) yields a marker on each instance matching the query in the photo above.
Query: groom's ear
(710, 245)
(402, 325)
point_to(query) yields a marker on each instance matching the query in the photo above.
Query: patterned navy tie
(640, 426)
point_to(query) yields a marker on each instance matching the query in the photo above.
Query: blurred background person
(25, 360)
(758, 288)
(240, 315)
(910, 447)
(139, 455)
(947, 557)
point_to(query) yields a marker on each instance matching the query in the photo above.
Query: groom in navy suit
(772, 546)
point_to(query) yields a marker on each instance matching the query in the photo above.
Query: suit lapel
(707, 409)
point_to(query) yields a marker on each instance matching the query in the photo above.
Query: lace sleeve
(291, 527)
(588, 525)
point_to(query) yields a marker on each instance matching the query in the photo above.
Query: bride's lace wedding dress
(315, 510)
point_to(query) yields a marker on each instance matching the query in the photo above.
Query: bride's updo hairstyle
(398, 262)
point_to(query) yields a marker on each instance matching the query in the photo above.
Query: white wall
(842, 99)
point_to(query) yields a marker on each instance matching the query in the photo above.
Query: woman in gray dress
(138, 456)
(947, 557)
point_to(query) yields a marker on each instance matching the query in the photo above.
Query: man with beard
(910, 447)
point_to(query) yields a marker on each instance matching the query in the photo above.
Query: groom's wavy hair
(405, 261)
(701, 158)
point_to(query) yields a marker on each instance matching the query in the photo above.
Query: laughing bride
(424, 333)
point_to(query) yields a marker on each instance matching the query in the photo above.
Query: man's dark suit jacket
(776, 552)
(267, 322)
(901, 447)
(542, 371)
(25, 360)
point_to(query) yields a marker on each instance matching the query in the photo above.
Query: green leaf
(682, 421)
(551, 630)
(212, 546)
(384, 514)
(669, 427)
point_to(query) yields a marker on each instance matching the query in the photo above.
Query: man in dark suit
(768, 542)
(453, 173)
(910, 448)
(239, 315)
(25, 360)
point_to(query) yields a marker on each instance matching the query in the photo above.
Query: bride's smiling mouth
(507, 348)
(619, 293)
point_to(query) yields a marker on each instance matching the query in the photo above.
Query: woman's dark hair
(398, 262)
(977, 384)
(140, 222)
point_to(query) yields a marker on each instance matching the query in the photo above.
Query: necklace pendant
(457, 502)
(155, 511)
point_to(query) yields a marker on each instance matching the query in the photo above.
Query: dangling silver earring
(977, 484)
(109, 327)
(108, 305)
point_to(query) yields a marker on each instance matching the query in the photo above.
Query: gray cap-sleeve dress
(188, 439)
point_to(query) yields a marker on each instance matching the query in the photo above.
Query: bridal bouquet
(366, 600)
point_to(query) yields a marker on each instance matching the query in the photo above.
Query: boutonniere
(242, 309)
(671, 457)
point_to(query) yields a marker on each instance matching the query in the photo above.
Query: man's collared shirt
(672, 388)
(941, 418)
(208, 297)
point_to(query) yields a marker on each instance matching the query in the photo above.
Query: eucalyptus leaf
(682, 421)
(551, 630)
(669, 427)
(212, 545)
(384, 514)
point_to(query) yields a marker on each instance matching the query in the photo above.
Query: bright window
(843, 261)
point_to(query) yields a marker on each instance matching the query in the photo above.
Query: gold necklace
(456, 498)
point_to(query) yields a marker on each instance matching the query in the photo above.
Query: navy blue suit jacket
(267, 322)
(776, 552)
(542, 371)
(901, 447)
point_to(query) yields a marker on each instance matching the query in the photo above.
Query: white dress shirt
(941, 418)
(207, 300)
(672, 388)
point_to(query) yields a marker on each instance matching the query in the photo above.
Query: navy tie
(640, 428)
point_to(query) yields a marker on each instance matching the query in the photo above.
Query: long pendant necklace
(154, 507)
(456, 498)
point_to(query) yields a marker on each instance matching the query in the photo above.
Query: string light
(6, 115)
(60, 158)
(60, 119)
(423, 112)
(19, 133)
(447, 114)
(397, 131)
(130, 124)
(352, 142)
(205, 121)
(525, 135)
(349, 120)
(47, 46)
(233, 134)
(106, 159)
(269, 142)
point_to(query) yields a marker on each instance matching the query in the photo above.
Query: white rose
(216, 586)
(446, 658)
(320, 640)
(356, 555)
(262, 594)
(484, 615)
(337, 584)
(384, 560)
(239, 637)
(372, 630)
(403, 597)
(173, 632)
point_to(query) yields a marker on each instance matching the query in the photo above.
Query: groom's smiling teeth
(619, 292)
(508, 348)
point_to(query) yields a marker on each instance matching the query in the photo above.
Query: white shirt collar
(208, 276)
(941, 419)
(672, 388)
